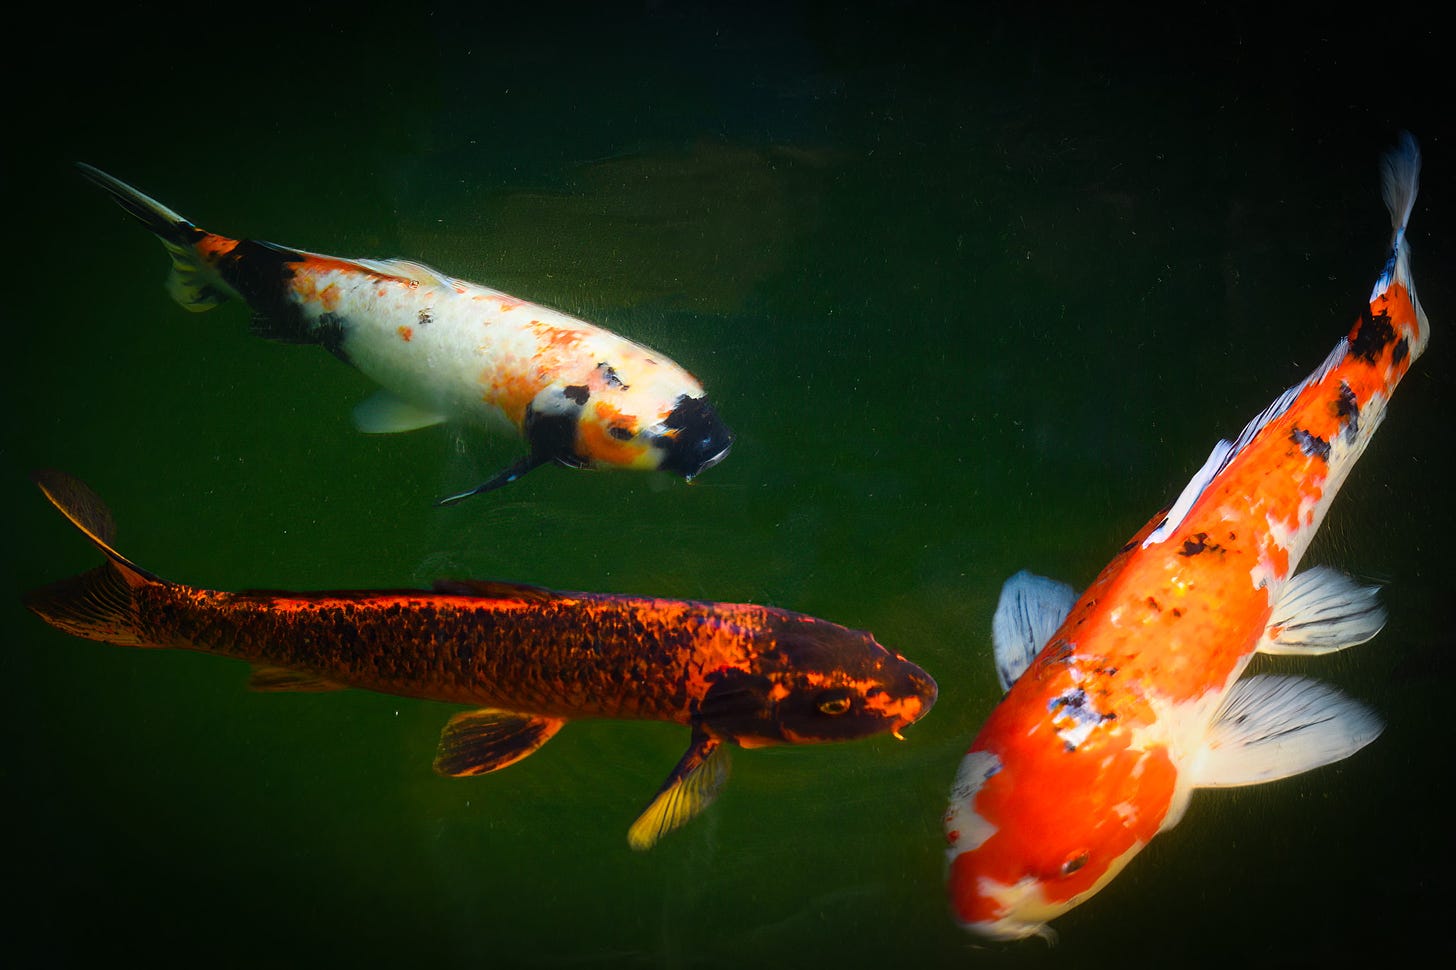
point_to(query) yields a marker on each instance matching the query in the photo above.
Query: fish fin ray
(485, 740)
(1030, 610)
(1272, 727)
(691, 788)
(99, 604)
(1321, 610)
(385, 413)
(282, 680)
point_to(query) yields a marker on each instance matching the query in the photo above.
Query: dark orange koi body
(526, 659)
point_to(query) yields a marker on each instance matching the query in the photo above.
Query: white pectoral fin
(383, 413)
(1272, 727)
(1029, 611)
(1320, 611)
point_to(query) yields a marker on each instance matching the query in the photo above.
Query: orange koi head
(818, 682)
(1037, 825)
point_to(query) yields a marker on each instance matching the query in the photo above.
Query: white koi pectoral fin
(479, 742)
(1272, 727)
(284, 681)
(383, 413)
(692, 787)
(1029, 611)
(1320, 611)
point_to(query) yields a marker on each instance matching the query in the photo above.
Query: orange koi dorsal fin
(495, 590)
(479, 742)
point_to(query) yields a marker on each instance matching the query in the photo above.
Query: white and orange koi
(443, 349)
(1121, 702)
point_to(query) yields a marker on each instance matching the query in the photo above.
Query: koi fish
(1120, 702)
(525, 659)
(443, 349)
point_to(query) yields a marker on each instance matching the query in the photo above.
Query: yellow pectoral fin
(692, 786)
(479, 742)
(283, 680)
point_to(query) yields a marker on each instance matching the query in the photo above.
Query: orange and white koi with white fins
(444, 349)
(1124, 700)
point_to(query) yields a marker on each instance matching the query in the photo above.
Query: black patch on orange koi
(1192, 547)
(1401, 349)
(576, 393)
(1311, 444)
(1347, 408)
(1374, 334)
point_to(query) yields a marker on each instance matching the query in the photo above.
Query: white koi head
(647, 416)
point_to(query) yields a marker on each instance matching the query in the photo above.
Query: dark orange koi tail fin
(100, 604)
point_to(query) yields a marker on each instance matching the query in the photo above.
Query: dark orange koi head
(818, 682)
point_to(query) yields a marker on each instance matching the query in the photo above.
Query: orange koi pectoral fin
(284, 681)
(692, 787)
(486, 740)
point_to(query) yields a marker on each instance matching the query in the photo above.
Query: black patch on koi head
(696, 438)
(1374, 333)
(576, 393)
(1311, 444)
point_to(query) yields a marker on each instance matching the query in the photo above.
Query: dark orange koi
(526, 659)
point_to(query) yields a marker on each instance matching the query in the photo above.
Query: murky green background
(977, 292)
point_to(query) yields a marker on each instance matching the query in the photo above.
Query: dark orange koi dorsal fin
(282, 680)
(494, 590)
(486, 740)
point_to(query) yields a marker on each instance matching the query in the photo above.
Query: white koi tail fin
(1400, 172)
(193, 283)
(100, 604)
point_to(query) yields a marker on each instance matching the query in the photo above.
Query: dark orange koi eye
(1074, 863)
(833, 703)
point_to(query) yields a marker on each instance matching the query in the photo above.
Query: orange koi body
(1124, 701)
(525, 659)
(445, 349)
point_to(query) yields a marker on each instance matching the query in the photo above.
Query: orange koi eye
(1074, 863)
(833, 703)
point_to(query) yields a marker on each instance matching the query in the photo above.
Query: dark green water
(976, 293)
